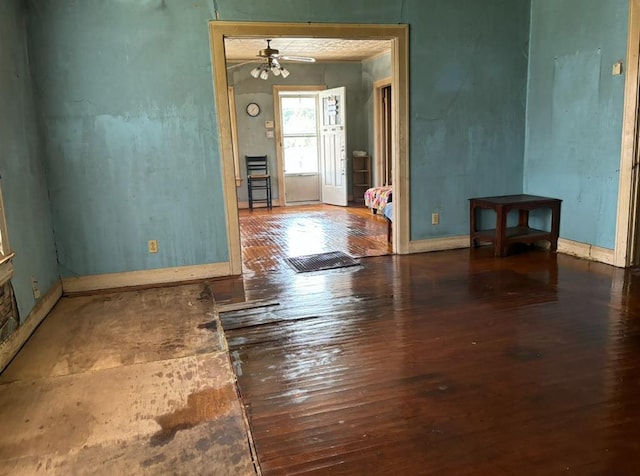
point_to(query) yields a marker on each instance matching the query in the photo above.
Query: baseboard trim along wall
(10, 347)
(439, 244)
(569, 247)
(586, 251)
(145, 277)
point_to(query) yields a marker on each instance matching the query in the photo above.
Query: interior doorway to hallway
(383, 127)
(396, 35)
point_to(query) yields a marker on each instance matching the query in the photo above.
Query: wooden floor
(270, 236)
(442, 363)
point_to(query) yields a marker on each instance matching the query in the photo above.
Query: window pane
(300, 155)
(298, 115)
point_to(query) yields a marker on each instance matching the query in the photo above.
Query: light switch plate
(268, 124)
(270, 135)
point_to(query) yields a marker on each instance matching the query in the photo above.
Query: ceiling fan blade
(237, 65)
(304, 59)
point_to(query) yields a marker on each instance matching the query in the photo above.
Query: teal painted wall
(574, 112)
(373, 70)
(24, 184)
(468, 90)
(131, 135)
(252, 138)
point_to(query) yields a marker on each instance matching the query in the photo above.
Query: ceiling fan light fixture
(255, 72)
(271, 57)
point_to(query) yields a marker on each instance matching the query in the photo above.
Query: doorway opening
(395, 35)
(383, 117)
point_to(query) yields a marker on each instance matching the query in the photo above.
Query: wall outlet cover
(35, 288)
(153, 246)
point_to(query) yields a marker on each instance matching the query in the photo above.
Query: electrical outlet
(35, 288)
(617, 68)
(435, 218)
(153, 246)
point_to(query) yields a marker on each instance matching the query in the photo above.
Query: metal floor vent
(322, 261)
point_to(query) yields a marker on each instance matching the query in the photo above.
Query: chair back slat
(256, 164)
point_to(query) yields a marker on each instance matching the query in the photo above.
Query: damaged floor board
(242, 306)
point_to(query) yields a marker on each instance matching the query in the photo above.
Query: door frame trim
(234, 134)
(277, 88)
(378, 86)
(399, 36)
(625, 253)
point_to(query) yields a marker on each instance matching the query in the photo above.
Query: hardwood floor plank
(443, 363)
(270, 236)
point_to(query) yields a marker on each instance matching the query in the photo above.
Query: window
(299, 133)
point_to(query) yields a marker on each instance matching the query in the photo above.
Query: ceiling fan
(271, 63)
(273, 54)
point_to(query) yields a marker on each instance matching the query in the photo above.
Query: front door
(333, 155)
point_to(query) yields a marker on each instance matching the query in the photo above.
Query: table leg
(501, 230)
(523, 218)
(472, 225)
(555, 226)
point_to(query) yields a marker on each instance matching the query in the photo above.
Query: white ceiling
(322, 49)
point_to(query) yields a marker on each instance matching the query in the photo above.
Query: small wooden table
(502, 236)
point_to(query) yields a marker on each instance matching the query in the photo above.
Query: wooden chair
(258, 179)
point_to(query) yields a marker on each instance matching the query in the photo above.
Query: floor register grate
(322, 261)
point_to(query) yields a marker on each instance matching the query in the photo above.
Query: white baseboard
(145, 277)
(586, 251)
(574, 248)
(10, 347)
(439, 244)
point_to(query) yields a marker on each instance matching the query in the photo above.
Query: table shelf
(503, 236)
(519, 232)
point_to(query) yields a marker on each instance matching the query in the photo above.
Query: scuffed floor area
(125, 383)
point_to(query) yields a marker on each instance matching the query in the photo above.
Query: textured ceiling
(322, 49)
